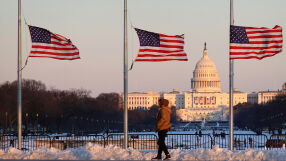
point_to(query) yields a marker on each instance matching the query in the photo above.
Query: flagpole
(125, 78)
(19, 111)
(231, 73)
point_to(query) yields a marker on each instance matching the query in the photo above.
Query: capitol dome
(205, 76)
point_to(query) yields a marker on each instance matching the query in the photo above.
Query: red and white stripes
(171, 48)
(60, 48)
(263, 42)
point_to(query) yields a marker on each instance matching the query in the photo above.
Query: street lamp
(46, 123)
(36, 123)
(37, 115)
(61, 124)
(6, 120)
(27, 122)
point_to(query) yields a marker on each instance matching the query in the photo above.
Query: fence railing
(64, 142)
(136, 141)
(276, 142)
(146, 141)
(241, 141)
(32, 142)
(189, 141)
(29, 142)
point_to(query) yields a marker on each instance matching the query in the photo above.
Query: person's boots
(168, 157)
(157, 158)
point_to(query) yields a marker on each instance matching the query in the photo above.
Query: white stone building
(142, 100)
(204, 97)
(264, 96)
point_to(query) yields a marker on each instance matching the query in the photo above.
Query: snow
(97, 152)
(210, 114)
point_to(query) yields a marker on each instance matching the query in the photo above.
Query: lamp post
(6, 120)
(27, 123)
(46, 122)
(62, 118)
(37, 122)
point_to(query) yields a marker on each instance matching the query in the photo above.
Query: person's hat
(163, 102)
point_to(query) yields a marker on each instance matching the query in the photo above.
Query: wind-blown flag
(49, 45)
(255, 43)
(156, 47)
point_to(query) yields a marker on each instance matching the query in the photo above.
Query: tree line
(53, 110)
(271, 116)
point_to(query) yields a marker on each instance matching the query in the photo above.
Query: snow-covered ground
(111, 152)
(97, 152)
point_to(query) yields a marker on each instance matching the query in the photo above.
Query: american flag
(208, 100)
(49, 45)
(213, 100)
(156, 47)
(255, 43)
(196, 100)
(201, 100)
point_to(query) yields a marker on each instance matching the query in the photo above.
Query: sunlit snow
(97, 152)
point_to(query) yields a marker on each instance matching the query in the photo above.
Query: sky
(96, 28)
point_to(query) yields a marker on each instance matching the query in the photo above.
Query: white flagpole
(231, 73)
(125, 78)
(19, 78)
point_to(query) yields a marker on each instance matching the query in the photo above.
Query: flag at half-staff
(46, 44)
(254, 42)
(155, 47)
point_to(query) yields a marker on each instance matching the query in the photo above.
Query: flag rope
(26, 62)
(132, 43)
(131, 66)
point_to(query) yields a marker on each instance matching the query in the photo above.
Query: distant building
(263, 97)
(142, 100)
(204, 97)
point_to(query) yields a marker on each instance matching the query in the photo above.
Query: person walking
(163, 125)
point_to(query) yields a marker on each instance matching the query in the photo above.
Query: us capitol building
(203, 99)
